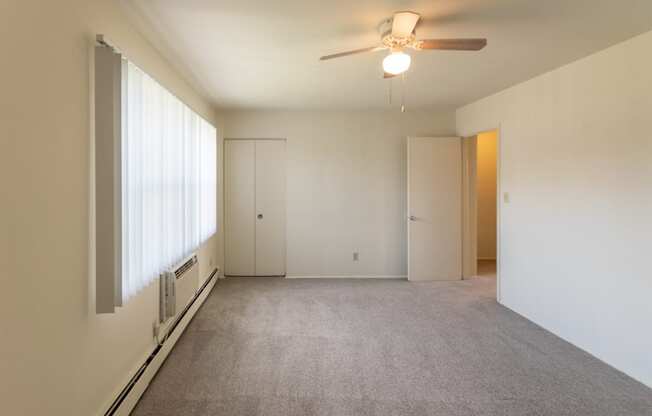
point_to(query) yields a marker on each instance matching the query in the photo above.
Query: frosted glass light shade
(396, 62)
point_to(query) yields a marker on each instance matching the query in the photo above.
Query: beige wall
(576, 160)
(58, 356)
(486, 191)
(346, 185)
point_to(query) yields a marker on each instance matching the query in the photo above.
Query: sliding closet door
(270, 207)
(240, 209)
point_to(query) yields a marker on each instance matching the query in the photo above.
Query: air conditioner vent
(183, 268)
(177, 286)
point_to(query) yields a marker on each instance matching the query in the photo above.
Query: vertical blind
(169, 180)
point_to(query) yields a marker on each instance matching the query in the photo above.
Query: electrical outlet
(356, 256)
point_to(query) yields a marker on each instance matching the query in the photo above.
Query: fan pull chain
(390, 91)
(403, 92)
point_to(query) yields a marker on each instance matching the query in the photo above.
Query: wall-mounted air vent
(177, 286)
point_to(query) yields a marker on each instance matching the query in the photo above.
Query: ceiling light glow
(396, 62)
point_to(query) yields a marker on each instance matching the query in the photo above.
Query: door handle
(412, 218)
(260, 216)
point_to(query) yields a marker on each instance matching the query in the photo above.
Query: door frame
(469, 207)
(469, 240)
(224, 201)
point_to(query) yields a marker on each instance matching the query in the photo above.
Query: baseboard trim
(352, 276)
(152, 364)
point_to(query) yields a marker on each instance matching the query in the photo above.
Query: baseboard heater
(124, 393)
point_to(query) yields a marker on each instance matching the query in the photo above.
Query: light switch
(506, 197)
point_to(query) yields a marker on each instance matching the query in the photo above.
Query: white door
(240, 207)
(434, 208)
(255, 207)
(270, 207)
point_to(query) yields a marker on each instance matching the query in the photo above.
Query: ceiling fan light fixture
(396, 62)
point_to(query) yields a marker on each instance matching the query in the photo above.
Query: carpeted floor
(268, 346)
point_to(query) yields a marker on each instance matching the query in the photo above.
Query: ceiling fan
(397, 33)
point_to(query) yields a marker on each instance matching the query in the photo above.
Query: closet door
(240, 208)
(270, 208)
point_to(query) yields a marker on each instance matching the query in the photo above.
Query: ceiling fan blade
(353, 52)
(403, 24)
(387, 75)
(452, 44)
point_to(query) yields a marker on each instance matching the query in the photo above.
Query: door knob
(412, 218)
(260, 216)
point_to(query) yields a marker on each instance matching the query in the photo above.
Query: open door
(434, 208)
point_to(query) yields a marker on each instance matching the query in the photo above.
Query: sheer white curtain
(169, 180)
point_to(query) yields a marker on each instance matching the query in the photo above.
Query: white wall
(58, 356)
(576, 159)
(346, 185)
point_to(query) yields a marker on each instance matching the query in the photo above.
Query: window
(163, 179)
(169, 180)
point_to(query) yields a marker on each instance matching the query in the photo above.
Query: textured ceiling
(264, 54)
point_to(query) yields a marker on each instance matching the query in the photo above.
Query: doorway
(452, 229)
(481, 187)
(487, 202)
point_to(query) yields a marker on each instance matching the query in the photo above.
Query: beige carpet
(378, 347)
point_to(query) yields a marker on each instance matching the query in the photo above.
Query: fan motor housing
(391, 41)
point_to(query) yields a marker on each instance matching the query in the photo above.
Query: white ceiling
(264, 54)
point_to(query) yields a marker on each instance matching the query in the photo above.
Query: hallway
(487, 268)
